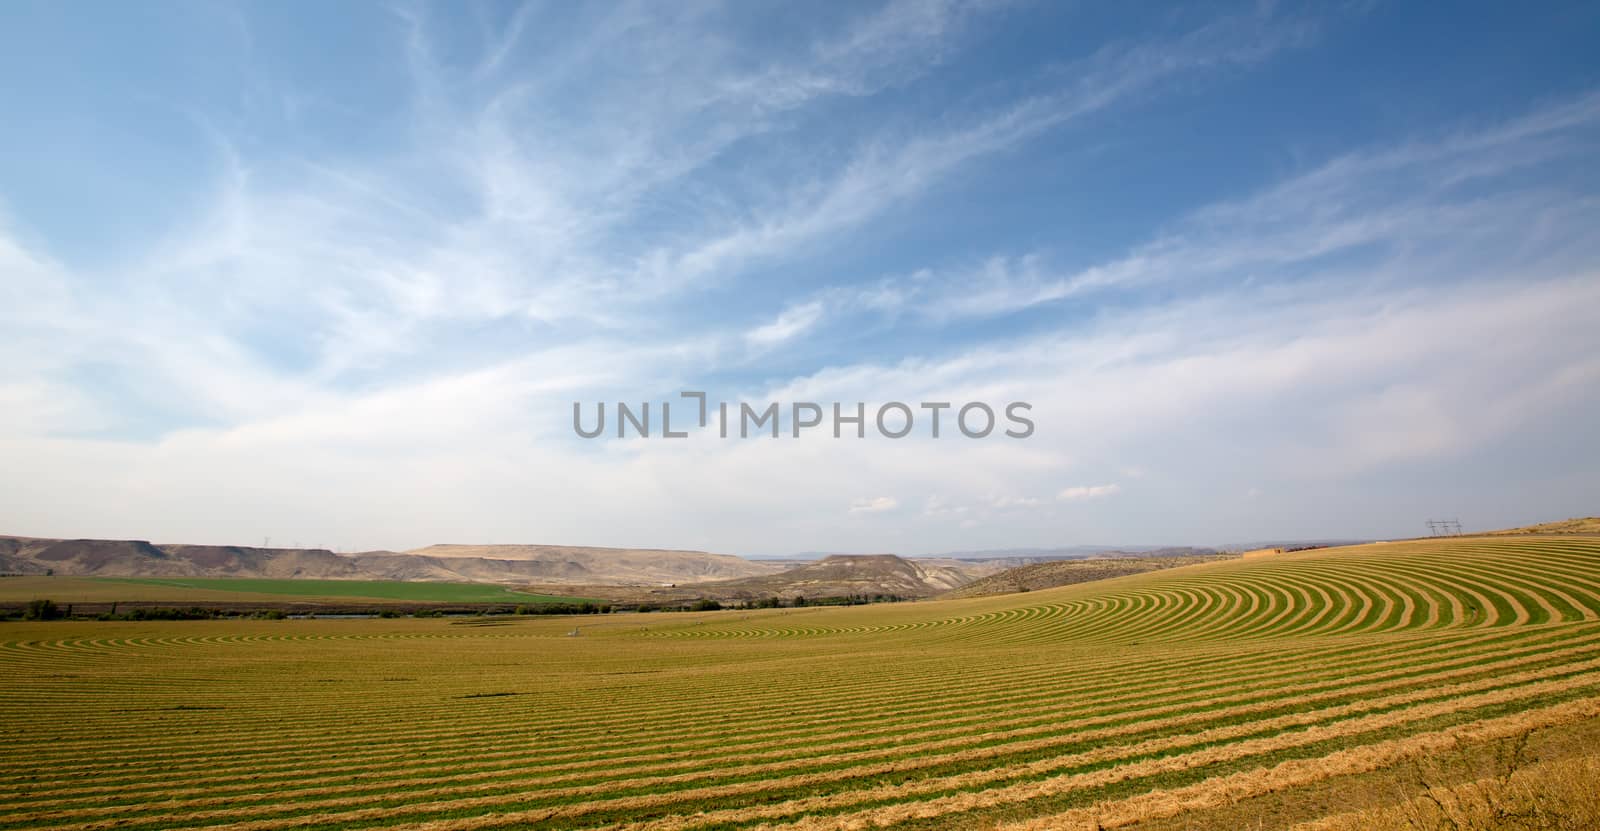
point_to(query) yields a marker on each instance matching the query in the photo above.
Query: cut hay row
(1381, 752)
(879, 688)
(1233, 789)
(1166, 683)
(1362, 697)
(938, 714)
(1467, 584)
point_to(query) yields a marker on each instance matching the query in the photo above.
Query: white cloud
(875, 505)
(1079, 492)
(1302, 387)
(791, 322)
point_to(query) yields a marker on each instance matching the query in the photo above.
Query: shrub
(164, 613)
(584, 608)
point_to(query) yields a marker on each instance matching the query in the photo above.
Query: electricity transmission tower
(1444, 527)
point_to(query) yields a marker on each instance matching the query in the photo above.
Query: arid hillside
(843, 575)
(1036, 576)
(139, 558)
(835, 576)
(574, 564)
(560, 565)
(1578, 525)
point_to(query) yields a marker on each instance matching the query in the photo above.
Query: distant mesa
(550, 564)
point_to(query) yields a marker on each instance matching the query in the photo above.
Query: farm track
(1145, 695)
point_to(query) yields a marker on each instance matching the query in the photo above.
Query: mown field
(1239, 694)
(181, 590)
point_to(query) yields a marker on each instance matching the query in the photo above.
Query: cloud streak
(1078, 493)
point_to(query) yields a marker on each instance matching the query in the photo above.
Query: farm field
(1260, 692)
(180, 590)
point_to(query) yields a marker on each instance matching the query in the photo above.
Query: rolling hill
(1046, 575)
(1578, 525)
(844, 575)
(835, 576)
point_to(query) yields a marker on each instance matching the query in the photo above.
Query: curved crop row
(939, 714)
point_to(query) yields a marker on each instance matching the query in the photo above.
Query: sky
(336, 274)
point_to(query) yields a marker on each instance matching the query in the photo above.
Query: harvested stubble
(1103, 703)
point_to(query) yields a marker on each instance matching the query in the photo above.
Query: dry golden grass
(1231, 789)
(1578, 525)
(1514, 794)
(1055, 573)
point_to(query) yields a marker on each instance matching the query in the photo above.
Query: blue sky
(335, 273)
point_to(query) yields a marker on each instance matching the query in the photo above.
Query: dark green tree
(42, 610)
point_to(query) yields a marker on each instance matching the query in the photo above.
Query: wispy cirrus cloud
(891, 169)
(354, 268)
(1398, 198)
